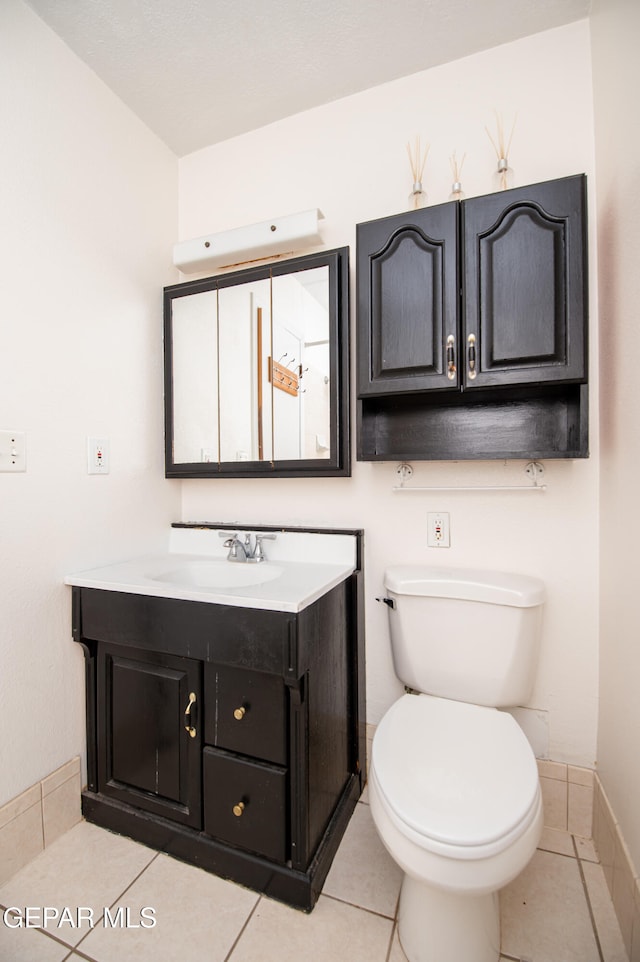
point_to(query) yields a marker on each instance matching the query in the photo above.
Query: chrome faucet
(244, 553)
(237, 550)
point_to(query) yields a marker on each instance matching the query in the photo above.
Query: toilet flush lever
(388, 601)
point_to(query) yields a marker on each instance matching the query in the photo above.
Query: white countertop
(300, 569)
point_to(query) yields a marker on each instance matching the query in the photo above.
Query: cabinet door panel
(145, 750)
(245, 803)
(146, 756)
(246, 712)
(407, 300)
(524, 285)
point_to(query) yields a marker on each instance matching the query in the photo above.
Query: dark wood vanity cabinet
(229, 737)
(472, 328)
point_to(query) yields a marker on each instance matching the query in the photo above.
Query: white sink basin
(301, 567)
(219, 574)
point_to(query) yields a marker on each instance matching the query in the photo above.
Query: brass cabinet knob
(239, 713)
(238, 809)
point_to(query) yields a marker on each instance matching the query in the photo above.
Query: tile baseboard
(36, 818)
(567, 795)
(619, 871)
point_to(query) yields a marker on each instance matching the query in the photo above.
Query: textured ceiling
(200, 71)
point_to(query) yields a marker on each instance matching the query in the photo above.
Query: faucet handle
(258, 553)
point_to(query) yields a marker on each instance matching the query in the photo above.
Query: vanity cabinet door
(246, 712)
(245, 803)
(525, 299)
(407, 281)
(146, 756)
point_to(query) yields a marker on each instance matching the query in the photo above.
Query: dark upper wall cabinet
(407, 300)
(472, 328)
(524, 297)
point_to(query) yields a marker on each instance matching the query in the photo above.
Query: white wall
(349, 159)
(88, 217)
(615, 32)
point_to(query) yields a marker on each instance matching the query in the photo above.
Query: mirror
(257, 371)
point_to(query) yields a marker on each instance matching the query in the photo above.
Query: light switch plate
(13, 451)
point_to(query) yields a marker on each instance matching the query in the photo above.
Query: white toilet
(453, 781)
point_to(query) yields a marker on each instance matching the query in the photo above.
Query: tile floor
(559, 910)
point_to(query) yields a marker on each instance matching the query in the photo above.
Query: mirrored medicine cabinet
(257, 371)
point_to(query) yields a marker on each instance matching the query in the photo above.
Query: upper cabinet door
(407, 279)
(524, 287)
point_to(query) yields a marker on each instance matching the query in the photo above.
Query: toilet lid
(459, 774)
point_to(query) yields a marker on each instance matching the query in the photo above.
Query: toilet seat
(459, 780)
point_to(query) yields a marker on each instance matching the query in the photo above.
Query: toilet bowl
(454, 789)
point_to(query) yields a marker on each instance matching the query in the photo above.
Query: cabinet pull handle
(451, 357)
(238, 809)
(472, 356)
(189, 716)
(239, 713)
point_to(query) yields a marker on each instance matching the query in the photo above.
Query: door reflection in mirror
(244, 339)
(300, 323)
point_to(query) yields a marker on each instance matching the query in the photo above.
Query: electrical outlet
(438, 529)
(97, 456)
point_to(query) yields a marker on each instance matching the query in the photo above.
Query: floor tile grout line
(390, 945)
(74, 948)
(392, 939)
(394, 928)
(49, 935)
(122, 894)
(588, 900)
(362, 908)
(551, 851)
(78, 954)
(242, 929)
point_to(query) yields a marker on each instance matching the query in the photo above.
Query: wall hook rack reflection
(283, 377)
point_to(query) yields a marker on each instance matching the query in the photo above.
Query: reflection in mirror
(195, 381)
(256, 371)
(301, 397)
(244, 344)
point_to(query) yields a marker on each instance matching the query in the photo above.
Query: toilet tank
(465, 634)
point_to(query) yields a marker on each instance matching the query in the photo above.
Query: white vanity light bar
(282, 235)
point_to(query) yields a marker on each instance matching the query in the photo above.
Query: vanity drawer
(246, 712)
(245, 803)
